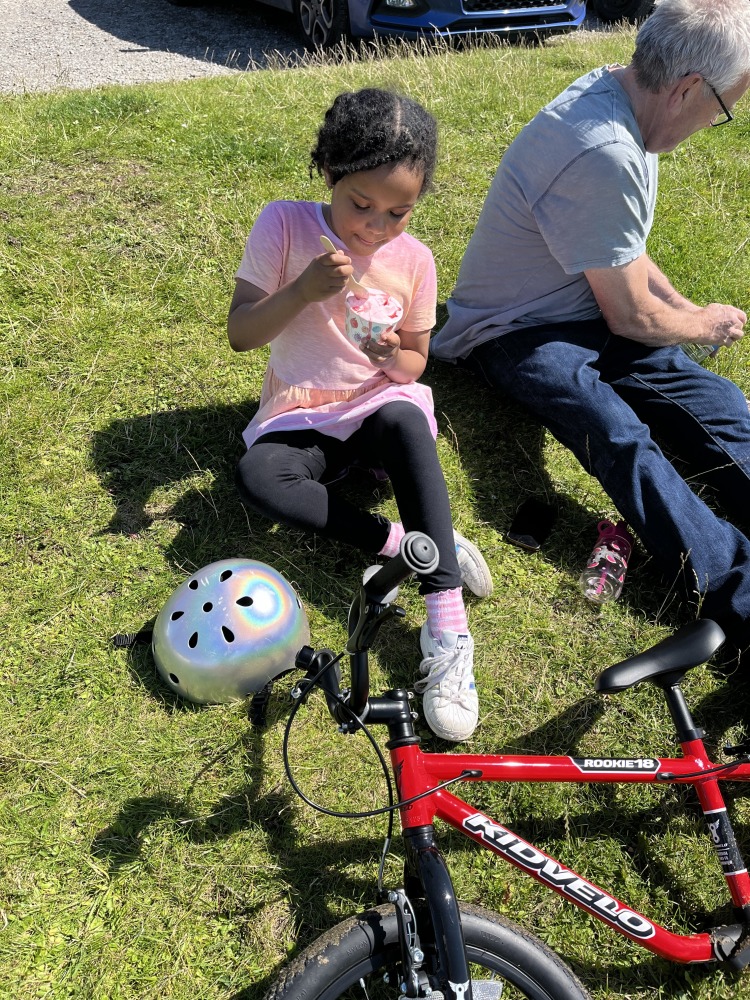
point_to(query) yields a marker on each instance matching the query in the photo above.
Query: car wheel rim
(316, 17)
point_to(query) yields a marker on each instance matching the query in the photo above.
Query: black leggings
(280, 476)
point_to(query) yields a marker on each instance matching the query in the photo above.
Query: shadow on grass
(640, 832)
(292, 856)
(501, 448)
(721, 709)
(178, 466)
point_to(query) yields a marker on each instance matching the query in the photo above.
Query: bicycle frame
(427, 905)
(417, 772)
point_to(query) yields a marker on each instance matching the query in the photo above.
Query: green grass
(152, 848)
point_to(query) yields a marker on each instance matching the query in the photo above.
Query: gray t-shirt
(575, 190)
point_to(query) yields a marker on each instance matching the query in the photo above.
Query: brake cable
(392, 806)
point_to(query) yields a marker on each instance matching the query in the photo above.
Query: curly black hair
(364, 129)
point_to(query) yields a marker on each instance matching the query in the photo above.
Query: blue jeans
(602, 396)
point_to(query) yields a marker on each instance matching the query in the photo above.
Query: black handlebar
(370, 609)
(373, 606)
(418, 554)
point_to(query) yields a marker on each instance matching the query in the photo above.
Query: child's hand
(384, 351)
(324, 276)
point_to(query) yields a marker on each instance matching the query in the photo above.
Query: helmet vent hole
(245, 602)
(193, 640)
(225, 575)
(193, 585)
(174, 678)
(227, 633)
(176, 614)
(208, 606)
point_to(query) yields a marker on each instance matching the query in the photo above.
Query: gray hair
(709, 37)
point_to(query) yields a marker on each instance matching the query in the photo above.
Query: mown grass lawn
(150, 848)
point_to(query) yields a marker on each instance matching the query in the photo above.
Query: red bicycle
(421, 942)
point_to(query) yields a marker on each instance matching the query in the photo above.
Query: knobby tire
(366, 946)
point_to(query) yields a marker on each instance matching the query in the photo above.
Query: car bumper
(463, 17)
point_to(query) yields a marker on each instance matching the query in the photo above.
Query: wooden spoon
(355, 286)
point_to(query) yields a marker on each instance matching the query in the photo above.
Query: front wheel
(358, 959)
(322, 23)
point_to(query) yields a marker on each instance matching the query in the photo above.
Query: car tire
(322, 23)
(622, 10)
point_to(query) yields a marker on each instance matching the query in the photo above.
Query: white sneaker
(449, 703)
(390, 597)
(475, 573)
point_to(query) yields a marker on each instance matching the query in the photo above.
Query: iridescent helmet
(228, 630)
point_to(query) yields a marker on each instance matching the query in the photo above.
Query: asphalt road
(46, 44)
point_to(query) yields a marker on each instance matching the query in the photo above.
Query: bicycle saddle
(688, 647)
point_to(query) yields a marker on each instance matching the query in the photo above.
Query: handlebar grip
(418, 554)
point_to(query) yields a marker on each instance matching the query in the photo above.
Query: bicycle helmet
(227, 631)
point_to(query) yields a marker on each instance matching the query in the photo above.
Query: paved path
(46, 44)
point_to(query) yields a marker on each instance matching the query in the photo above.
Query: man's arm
(638, 302)
(660, 286)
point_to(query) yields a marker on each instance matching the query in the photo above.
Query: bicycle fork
(433, 956)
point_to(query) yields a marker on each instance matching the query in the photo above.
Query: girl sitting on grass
(327, 403)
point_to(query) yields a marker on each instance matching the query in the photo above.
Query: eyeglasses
(722, 117)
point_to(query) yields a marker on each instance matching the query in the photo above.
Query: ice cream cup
(368, 319)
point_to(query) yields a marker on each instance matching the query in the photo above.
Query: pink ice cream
(370, 318)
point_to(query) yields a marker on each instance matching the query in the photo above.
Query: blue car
(323, 23)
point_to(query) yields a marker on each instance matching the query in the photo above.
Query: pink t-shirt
(317, 378)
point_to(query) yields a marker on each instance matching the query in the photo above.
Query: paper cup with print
(368, 319)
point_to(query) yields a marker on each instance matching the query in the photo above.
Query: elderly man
(558, 305)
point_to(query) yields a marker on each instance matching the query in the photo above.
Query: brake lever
(318, 673)
(374, 605)
(369, 621)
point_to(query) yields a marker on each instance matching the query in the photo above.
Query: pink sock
(445, 610)
(393, 542)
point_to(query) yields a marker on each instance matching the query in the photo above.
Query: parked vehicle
(323, 23)
(621, 10)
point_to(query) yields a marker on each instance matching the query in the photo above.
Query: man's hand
(724, 323)
(638, 302)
